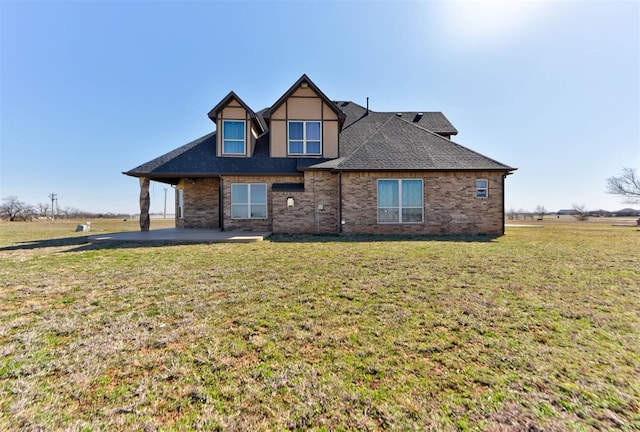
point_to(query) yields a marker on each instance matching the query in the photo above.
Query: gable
(304, 87)
(232, 109)
(352, 139)
(304, 103)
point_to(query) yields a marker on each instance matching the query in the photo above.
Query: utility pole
(54, 197)
(165, 203)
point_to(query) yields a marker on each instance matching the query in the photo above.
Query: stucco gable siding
(234, 110)
(304, 105)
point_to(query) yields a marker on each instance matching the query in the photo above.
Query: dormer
(304, 122)
(237, 125)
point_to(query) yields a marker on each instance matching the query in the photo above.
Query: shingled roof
(369, 141)
(198, 159)
(432, 120)
(389, 141)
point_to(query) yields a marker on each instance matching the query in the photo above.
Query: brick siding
(201, 198)
(230, 224)
(320, 189)
(450, 204)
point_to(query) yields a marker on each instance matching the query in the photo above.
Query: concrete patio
(180, 236)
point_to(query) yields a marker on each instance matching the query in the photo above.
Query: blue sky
(89, 89)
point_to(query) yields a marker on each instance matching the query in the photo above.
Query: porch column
(144, 204)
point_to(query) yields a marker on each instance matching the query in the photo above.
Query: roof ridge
(355, 121)
(389, 112)
(367, 139)
(455, 143)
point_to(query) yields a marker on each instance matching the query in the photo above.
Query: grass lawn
(536, 330)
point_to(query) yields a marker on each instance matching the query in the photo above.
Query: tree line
(626, 185)
(12, 209)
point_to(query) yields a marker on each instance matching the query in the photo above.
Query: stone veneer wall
(450, 204)
(201, 203)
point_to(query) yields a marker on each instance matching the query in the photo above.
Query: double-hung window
(482, 188)
(400, 201)
(305, 138)
(248, 201)
(233, 137)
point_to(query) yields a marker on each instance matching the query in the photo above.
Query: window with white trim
(180, 203)
(482, 188)
(305, 138)
(233, 137)
(248, 201)
(400, 201)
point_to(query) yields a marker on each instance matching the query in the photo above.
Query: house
(599, 213)
(308, 164)
(627, 212)
(567, 212)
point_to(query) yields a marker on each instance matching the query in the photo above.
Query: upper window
(482, 188)
(233, 137)
(305, 138)
(400, 201)
(248, 201)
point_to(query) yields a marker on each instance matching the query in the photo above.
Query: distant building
(627, 212)
(565, 212)
(600, 213)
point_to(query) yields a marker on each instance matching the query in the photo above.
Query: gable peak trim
(304, 80)
(213, 114)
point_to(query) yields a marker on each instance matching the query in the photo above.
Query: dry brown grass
(536, 330)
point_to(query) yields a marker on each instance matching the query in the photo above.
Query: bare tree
(14, 209)
(70, 213)
(522, 212)
(580, 212)
(540, 211)
(65, 212)
(627, 185)
(42, 209)
(512, 213)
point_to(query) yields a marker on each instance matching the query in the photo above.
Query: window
(400, 201)
(233, 133)
(180, 203)
(305, 138)
(482, 188)
(248, 201)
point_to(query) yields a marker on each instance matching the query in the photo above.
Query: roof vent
(418, 117)
(304, 85)
(399, 114)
